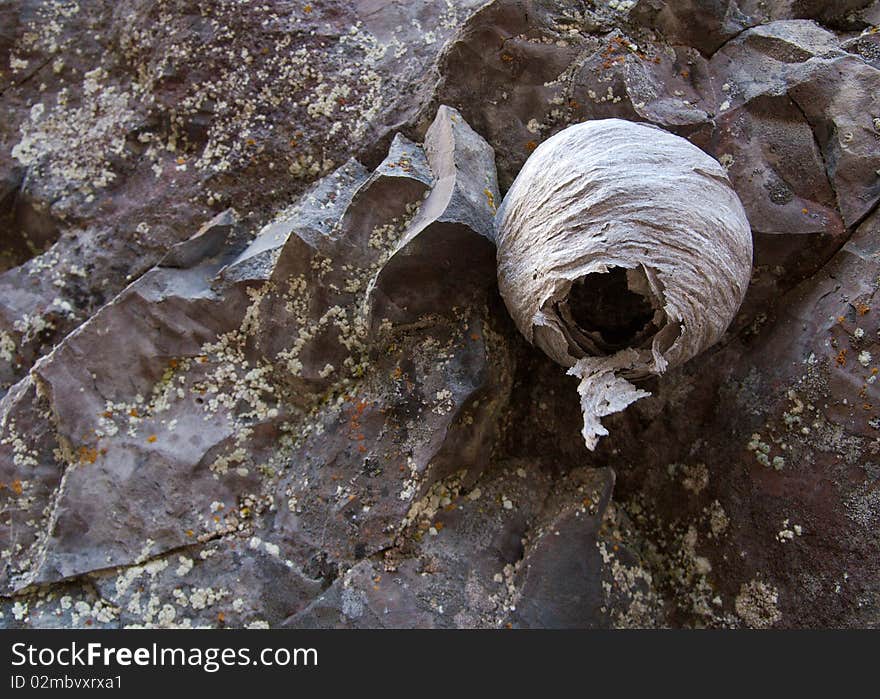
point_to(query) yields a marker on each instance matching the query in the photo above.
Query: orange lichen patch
(840, 319)
(475, 337)
(587, 502)
(868, 406)
(397, 373)
(152, 438)
(506, 57)
(804, 212)
(190, 533)
(875, 371)
(87, 455)
(615, 547)
(362, 449)
(173, 363)
(221, 617)
(307, 8)
(133, 412)
(202, 359)
(530, 146)
(438, 526)
(181, 160)
(354, 422)
(862, 309)
(16, 487)
(841, 358)
(574, 104)
(352, 497)
(685, 74)
(107, 414)
(250, 142)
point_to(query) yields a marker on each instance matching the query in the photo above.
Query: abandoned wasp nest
(622, 250)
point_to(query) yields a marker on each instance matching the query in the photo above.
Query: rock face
(254, 366)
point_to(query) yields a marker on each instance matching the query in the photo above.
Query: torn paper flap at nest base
(603, 392)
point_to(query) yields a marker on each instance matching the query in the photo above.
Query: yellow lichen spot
(16, 487)
(530, 146)
(862, 309)
(490, 198)
(181, 160)
(190, 533)
(152, 438)
(307, 9)
(841, 358)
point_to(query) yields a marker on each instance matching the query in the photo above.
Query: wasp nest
(622, 250)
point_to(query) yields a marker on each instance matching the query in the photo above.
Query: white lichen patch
(757, 604)
(7, 346)
(73, 142)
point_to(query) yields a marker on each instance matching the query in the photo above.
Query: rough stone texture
(219, 263)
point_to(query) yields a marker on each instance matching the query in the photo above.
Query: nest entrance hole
(607, 305)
